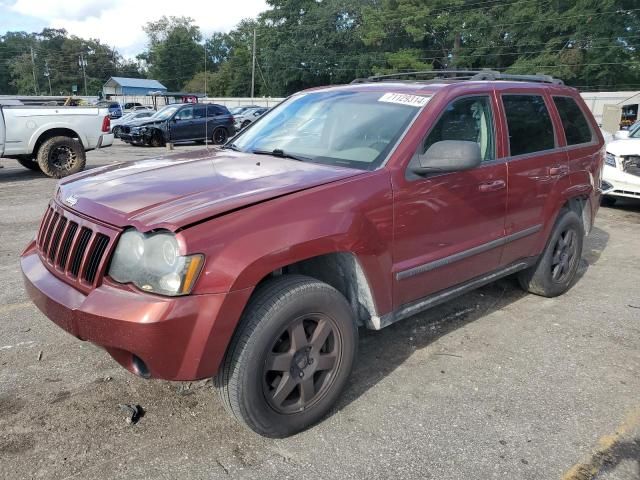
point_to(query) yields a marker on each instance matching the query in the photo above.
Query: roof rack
(459, 75)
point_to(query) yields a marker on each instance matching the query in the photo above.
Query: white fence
(231, 102)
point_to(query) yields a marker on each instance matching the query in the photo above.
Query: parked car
(182, 123)
(52, 139)
(248, 116)
(115, 109)
(621, 174)
(256, 262)
(239, 110)
(116, 125)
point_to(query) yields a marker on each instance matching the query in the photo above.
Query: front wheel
(290, 357)
(61, 156)
(555, 271)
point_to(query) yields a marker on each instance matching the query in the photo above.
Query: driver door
(449, 227)
(182, 125)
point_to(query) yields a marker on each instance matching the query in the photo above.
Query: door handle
(559, 171)
(492, 186)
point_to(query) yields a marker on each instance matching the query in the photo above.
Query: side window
(213, 111)
(185, 114)
(576, 128)
(199, 112)
(468, 119)
(529, 124)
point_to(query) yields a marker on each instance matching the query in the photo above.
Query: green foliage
(175, 54)
(592, 44)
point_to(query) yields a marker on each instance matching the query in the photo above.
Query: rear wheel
(30, 163)
(61, 156)
(291, 356)
(555, 271)
(219, 135)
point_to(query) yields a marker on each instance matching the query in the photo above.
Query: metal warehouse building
(132, 86)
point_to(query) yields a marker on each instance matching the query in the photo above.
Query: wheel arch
(42, 136)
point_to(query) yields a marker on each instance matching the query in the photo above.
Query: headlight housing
(152, 262)
(610, 159)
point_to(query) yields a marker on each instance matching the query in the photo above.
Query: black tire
(157, 140)
(29, 163)
(301, 381)
(219, 136)
(61, 156)
(116, 131)
(555, 271)
(608, 201)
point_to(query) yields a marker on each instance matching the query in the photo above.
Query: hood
(141, 122)
(177, 190)
(621, 148)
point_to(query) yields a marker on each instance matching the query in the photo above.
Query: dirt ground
(496, 384)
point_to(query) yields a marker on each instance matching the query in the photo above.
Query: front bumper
(181, 338)
(620, 184)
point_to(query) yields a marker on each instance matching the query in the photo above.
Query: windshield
(165, 113)
(350, 128)
(634, 131)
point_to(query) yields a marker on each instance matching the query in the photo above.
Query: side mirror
(449, 156)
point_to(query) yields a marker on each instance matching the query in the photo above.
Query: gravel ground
(496, 384)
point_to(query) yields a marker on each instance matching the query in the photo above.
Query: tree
(175, 54)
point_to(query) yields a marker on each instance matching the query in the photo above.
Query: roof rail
(459, 75)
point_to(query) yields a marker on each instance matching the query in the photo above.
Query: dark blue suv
(182, 123)
(115, 109)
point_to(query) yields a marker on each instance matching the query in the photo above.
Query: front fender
(353, 215)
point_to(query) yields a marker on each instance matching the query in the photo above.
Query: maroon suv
(347, 206)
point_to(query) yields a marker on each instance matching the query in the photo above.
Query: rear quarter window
(529, 124)
(575, 125)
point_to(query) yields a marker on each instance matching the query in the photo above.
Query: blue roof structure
(135, 86)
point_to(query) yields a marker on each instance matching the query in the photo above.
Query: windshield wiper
(231, 146)
(280, 153)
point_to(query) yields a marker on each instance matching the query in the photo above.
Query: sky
(119, 23)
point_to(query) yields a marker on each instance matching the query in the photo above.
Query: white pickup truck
(52, 139)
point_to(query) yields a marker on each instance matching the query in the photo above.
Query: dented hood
(177, 190)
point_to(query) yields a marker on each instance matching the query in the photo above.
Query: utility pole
(205, 71)
(33, 64)
(48, 75)
(253, 67)
(83, 63)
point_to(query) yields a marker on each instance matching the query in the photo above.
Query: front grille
(631, 165)
(125, 129)
(74, 248)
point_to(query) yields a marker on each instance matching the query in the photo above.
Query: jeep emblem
(71, 200)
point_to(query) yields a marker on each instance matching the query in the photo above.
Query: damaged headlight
(152, 262)
(610, 159)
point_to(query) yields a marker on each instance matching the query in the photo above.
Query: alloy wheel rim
(301, 364)
(63, 157)
(564, 256)
(219, 136)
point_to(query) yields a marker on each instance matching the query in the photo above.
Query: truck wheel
(290, 357)
(555, 271)
(61, 156)
(30, 163)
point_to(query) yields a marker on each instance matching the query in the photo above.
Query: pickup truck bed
(53, 139)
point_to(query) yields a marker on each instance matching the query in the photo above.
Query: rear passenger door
(199, 124)
(536, 163)
(448, 227)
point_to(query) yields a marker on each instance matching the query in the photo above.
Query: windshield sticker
(404, 99)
